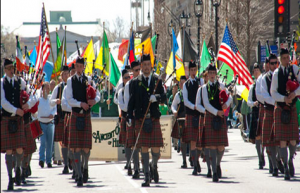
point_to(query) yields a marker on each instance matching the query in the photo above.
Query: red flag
(122, 50)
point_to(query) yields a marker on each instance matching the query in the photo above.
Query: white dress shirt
(116, 93)
(274, 85)
(199, 107)
(127, 94)
(73, 102)
(121, 101)
(54, 93)
(175, 103)
(45, 109)
(7, 105)
(264, 90)
(64, 103)
(207, 105)
(259, 96)
(186, 101)
(250, 102)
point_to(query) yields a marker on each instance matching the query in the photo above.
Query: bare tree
(8, 43)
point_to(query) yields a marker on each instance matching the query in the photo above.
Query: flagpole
(109, 63)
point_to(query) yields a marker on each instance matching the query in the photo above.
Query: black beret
(284, 51)
(134, 64)
(80, 60)
(73, 66)
(256, 66)
(211, 67)
(127, 67)
(145, 57)
(192, 64)
(124, 72)
(267, 60)
(7, 62)
(272, 56)
(182, 77)
(65, 68)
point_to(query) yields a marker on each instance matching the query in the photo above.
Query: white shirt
(7, 105)
(250, 102)
(274, 85)
(117, 91)
(207, 105)
(55, 90)
(186, 101)
(45, 109)
(199, 107)
(69, 95)
(127, 94)
(121, 101)
(175, 103)
(64, 103)
(259, 96)
(264, 90)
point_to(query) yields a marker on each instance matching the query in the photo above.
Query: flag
(58, 43)
(242, 91)
(114, 74)
(175, 60)
(230, 74)
(19, 58)
(190, 52)
(205, 58)
(211, 44)
(27, 61)
(89, 54)
(103, 56)
(159, 65)
(229, 54)
(33, 56)
(131, 49)
(268, 50)
(43, 49)
(294, 56)
(122, 50)
(48, 69)
(153, 42)
(59, 61)
(147, 49)
(143, 34)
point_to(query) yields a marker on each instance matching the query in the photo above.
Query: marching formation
(63, 115)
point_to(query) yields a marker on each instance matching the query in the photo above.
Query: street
(239, 170)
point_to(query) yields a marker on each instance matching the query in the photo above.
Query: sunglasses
(9, 68)
(273, 63)
(136, 70)
(127, 77)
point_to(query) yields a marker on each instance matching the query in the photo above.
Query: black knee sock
(262, 151)
(284, 154)
(292, 149)
(72, 158)
(219, 156)
(195, 158)
(64, 152)
(19, 159)
(136, 159)
(193, 155)
(77, 161)
(183, 150)
(145, 157)
(25, 161)
(273, 153)
(85, 157)
(258, 149)
(213, 154)
(9, 160)
(155, 157)
(128, 155)
(207, 157)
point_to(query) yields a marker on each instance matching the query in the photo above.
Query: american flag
(230, 55)
(43, 49)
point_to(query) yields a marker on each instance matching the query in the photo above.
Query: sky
(15, 12)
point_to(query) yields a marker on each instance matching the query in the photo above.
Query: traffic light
(282, 18)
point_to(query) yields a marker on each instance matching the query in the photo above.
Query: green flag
(153, 42)
(114, 74)
(205, 58)
(58, 62)
(103, 56)
(267, 50)
(58, 43)
(230, 74)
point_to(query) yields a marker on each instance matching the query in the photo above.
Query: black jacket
(139, 97)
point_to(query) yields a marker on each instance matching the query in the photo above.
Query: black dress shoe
(23, 176)
(49, 165)
(85, 175)
(208, 173)
(215, 177)
(286, 172)
(126, 167)
(73, 175)
(129, 172)
(184, 165)
(198, 167)
(175, 148)
(219, 171)
(178, 150)
(195, 171)
(280, 166)
(18, 176)
(66, 170)
(41, 163)
(275, 172)
(146, 182)
(80, 182)
(263, 160)
(10, 183)
(155, 174)
(136, 175)
(292, 168)
(260, 165)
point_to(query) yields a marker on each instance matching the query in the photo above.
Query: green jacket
(113, 111)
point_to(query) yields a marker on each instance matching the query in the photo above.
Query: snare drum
(36, 129)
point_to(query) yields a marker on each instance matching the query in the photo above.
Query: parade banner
(105, 141)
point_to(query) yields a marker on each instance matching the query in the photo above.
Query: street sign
(274, 50)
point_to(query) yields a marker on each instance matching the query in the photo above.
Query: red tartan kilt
(212, 137)
(268, 124)
(286, 132)
(65, 140)
(59, 130)
(200, 139)
(190, 133)
(153, 139)
(130, 134)
(30, 142)
(122, 135)
(260, 119)
(80, 139)
(12, 141)
(175, 130)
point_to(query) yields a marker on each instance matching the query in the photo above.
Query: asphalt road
(239, 168)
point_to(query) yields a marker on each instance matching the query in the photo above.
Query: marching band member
(284, 89)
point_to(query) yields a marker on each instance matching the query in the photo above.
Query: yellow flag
(90, 56)
(159, 65)
(180, 71)
(147, 49)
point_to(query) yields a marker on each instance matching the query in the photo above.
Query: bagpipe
(291, 85)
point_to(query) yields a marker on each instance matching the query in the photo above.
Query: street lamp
(198, 10)
(148, 17)
(170, 27)
(183, 18)
(216, 4)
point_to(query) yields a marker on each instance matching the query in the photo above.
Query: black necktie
(147, 81)
(285, 71)
(11, 83)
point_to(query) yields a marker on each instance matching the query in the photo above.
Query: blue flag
(175, 47)
(33, 56)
